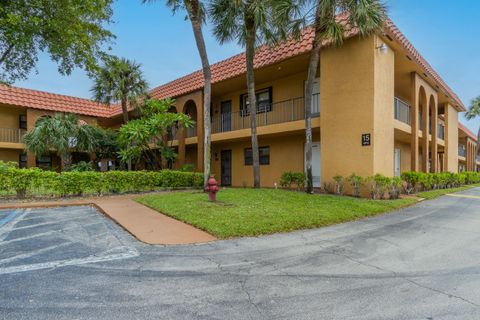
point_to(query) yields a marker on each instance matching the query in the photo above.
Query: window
(264, 155)
(264, 101)
(22, 160)
(44, 162)
(22, 121)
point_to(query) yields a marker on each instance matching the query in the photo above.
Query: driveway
(422, 262)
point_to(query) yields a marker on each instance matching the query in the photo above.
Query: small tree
(64, 134)
(339, 184)
(144, 136)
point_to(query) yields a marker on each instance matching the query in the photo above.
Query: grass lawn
(249, 212)
(432, 194)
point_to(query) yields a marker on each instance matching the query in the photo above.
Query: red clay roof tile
(467, 131)
(35, 99)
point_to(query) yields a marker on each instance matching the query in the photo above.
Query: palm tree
(251, 22)
(119, 80)
(196, 15)
(64, 134)
(366, 15)
(474, 112)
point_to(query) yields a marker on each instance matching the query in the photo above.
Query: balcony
(441, 131)
(402, 111)
(279, 112)
(11, 135)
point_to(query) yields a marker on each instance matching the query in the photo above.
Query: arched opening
(433, 159)
(423, 112)
(190, 109)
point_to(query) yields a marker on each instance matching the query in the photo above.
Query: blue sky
(441, 30)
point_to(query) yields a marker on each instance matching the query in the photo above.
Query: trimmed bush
(289, 179)
(36, 181)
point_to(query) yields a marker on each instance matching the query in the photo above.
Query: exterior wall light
(383, 48)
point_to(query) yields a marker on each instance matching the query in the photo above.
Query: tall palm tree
(474, 112)
(64, 134)
(366, 15)
(251, 22)
(196, 14)
(119, 80)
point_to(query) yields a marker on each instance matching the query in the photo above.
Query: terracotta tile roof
(467, 131)
(399, 37)
(265, 55)
(35, 99)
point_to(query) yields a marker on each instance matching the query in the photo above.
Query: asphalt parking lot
(33, 239)
(422, 262)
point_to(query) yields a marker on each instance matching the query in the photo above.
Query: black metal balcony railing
(462, 150)
(402, 111)
(280, 112)
(441, 131)
(11, 135)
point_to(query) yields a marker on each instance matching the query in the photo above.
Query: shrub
(289, 179)
(188, 167)
(356, 182)
(395, 187)
(24, 181)
(378, 185)
(339, 184)
(81, 166)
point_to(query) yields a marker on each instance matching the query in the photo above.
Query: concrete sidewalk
(145, 224)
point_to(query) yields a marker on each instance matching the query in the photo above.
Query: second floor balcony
(462, 151)
(11, 135)
(277, 112)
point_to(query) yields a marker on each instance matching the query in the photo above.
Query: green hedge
(48, 183)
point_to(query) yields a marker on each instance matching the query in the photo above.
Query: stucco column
(414, 124)
(425, 129)
(451, 139)
(434, 146)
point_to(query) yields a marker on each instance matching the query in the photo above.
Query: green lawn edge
(254, 212)
(432, 194)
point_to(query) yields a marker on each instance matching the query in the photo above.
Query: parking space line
(462, 196)
(33, 253)
(10, 216)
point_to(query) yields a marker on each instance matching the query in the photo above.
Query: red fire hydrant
(212, 189)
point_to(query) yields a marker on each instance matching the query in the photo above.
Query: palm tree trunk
(252, 106)
(125, 120)
(312, 73)
(196, 20)
(477, 148)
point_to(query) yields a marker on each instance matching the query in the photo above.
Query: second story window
(264, 101)
(22, 121)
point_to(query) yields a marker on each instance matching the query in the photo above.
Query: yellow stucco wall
(286, 154)
(10, 155)
(357, 91)
(451, 138)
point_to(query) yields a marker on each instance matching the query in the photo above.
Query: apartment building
(373, 101)
(467, 142)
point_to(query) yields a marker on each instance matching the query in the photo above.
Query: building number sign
(366, 139)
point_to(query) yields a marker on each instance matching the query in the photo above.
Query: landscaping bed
(252, 212)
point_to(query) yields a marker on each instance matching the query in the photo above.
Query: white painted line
(71, 262)
(33, 253)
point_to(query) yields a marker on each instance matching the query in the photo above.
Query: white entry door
(397, 162)
(315, 163)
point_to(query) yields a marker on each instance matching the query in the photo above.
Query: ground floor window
(22, 160)
(44, 162)
(264, 155)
